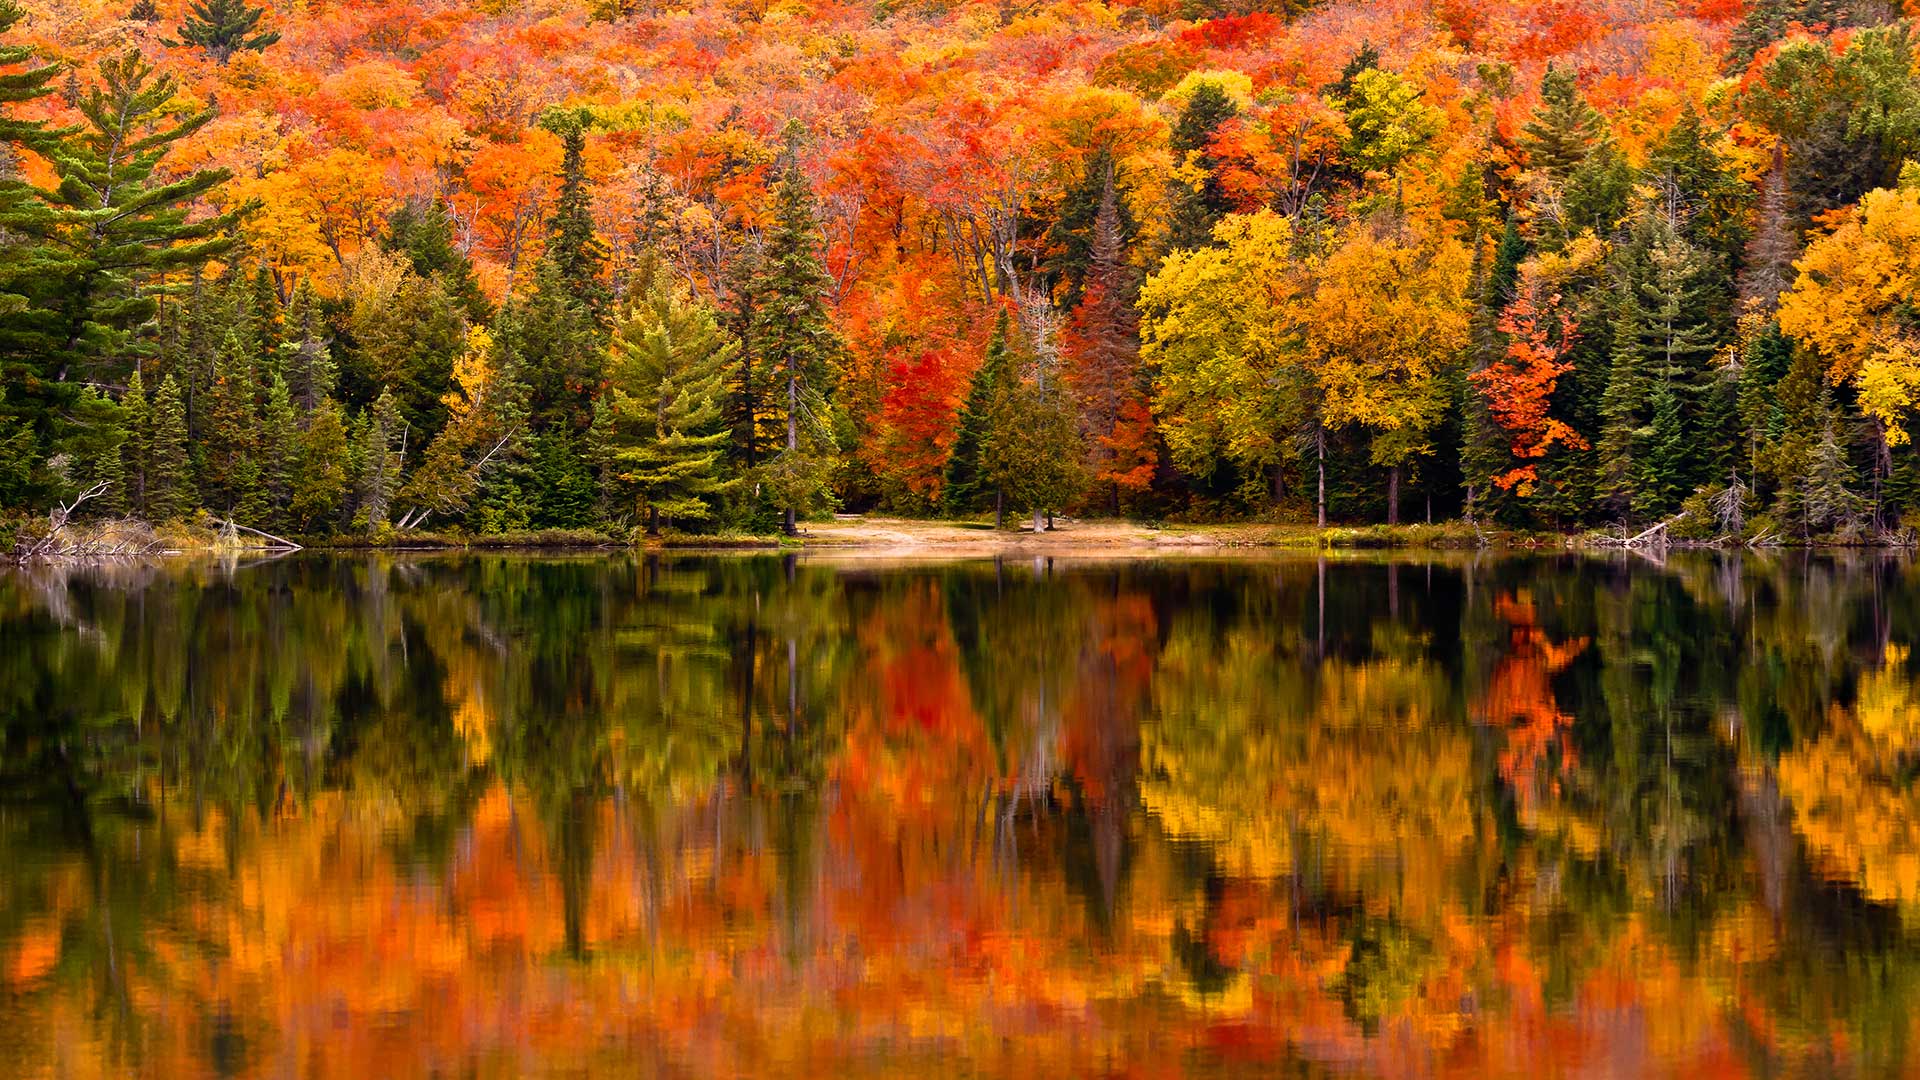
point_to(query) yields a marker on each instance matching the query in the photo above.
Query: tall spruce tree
(798, 347)
(170, 493)
(423, 233)
(226, 446)
(1033, 450)
(1565, 129)
(278, 453)
(573, 247)
(136, 451)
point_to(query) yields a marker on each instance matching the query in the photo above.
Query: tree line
(1585, 329)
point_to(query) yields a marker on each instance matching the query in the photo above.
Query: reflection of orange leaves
(35, 952)
(1520, 697)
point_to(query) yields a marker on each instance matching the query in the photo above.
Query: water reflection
(500, 816)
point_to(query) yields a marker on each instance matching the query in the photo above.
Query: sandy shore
(872, 536)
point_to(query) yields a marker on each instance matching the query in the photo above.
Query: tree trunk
(653, 521)
(1320, 499)
(1049, 521)
(1393, 495)
(1037, 527)
(999, 508)
(793, 441)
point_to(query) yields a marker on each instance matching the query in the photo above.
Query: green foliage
(1566, 128)
(1386, 121)
(224, 27)
(665, 434)
(170, 493)
(1033, 452)
(796, 349)
(423, 232)
(380, 460)
(1196, 198)
(967, 487)
(575, 252)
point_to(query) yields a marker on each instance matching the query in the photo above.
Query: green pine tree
(561, 351)
(667, 434)
(575, 250)
(306, 362)
(423, 233)
(136, 451)
(966, 487)
(1623, 407)
(1659, 482)
(222, 28)
(1194, 209)
(1033, 451)
(92, 436)
(1565, 129)
(232, 423)
(170, 493)
(380, 460)
(114, 221)
(278, 453)
(320, 475)
(798, 348)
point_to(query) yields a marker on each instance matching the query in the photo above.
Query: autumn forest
(355, 267)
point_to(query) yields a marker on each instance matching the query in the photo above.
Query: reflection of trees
(706, 811)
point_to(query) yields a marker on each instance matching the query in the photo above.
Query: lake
(501, 815)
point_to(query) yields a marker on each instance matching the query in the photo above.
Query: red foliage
(1233, 31)
(1519, 390)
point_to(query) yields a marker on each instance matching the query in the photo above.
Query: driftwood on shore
(121, 539)
(1652, 536)
(230, 527)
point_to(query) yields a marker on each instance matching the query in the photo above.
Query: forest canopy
(351, 266)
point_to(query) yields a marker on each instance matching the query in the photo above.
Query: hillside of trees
(346, 266)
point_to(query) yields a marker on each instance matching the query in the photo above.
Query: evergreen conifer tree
(111, 223)
(278, 453)
(170, 493)
(232, 422)
(136, 451)
(1196, 206)
(423, 233)
(320, 475)
(380, 459)
(575, 250)
(667, 434)
(224, 27)
(1565, 129)
(966, 487)
(798, 347)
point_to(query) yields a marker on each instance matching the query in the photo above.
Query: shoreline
(882, 537)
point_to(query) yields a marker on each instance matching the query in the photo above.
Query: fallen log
(282, 541)
(1653, 534)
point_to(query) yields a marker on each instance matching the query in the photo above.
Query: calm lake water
(502, 816)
